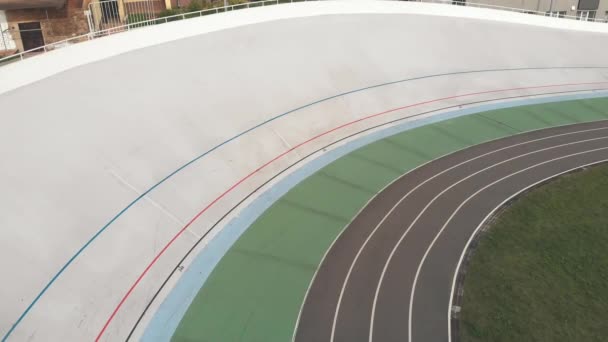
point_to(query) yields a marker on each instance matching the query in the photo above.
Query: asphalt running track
(390, 274)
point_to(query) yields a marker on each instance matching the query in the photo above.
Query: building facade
(583, 9)
(34, 23)
(31, 24)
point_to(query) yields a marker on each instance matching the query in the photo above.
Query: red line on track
(181, 231)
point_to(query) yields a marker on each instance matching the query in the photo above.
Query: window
(585, 15)
(556, 14)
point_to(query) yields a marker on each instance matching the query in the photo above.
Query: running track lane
(137, 199)
(181, 231)
(482, 163)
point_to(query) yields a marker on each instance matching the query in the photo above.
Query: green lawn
(541, 272)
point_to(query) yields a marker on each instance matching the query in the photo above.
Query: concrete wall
(72, 165)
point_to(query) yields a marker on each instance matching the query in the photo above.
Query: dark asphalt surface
(457, 210)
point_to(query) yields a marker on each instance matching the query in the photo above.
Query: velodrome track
(122, 153)
(390, 274)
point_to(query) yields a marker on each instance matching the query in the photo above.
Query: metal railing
(138, 24)
(513, 9)
(229, 8)
(115, 13)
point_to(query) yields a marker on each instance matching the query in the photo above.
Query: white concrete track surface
(107, 124)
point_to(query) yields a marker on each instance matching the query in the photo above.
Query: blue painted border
(174, 306)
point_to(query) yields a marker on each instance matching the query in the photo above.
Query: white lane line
(293, 337)
(421, 166)
(466, 247)
(434, 199)
(460, 207)
(352, 265)
(336, 313)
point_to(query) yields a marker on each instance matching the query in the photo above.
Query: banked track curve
(389, 276)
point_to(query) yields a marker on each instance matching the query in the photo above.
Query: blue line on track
(105, 227)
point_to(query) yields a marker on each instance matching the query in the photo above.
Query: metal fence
(108, 14)
(112, 21)
(584, 15)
